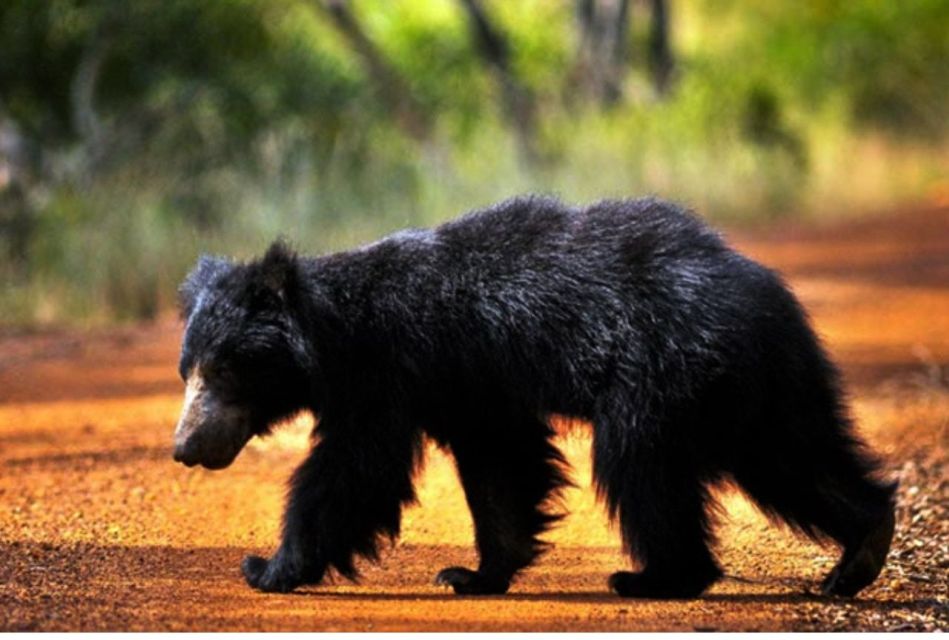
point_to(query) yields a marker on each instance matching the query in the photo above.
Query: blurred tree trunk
(82, 92)
(661, 61)
(17, 167)
(518, 105)
(600, 66)
(392, 88)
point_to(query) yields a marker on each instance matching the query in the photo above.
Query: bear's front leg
(347, 493)
(509, 470)
(298, 560)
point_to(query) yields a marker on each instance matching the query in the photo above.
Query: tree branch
(600, 68)
(660, 52)
(393, 90)
(519, 107)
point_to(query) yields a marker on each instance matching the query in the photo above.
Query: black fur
(693, 363)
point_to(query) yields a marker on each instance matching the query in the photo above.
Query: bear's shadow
(84, 567)
(605, 598)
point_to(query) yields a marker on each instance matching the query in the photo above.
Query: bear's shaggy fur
(693, 363)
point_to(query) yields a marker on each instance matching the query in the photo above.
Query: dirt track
(99, 529)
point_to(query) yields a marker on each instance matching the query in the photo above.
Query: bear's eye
(222, 380)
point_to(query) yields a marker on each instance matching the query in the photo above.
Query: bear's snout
(209, 433)
(193, 452)
(212, 445)
(186, 454)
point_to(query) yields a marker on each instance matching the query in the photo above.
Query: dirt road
(99, 529)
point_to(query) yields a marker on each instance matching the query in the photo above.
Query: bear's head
(244, 359)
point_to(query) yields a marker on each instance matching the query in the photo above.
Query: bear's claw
(268, 576)
(862, 563)
(253, 567)
(467, 582)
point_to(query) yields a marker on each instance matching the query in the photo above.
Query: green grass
(116, 251)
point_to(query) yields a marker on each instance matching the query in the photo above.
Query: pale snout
(209, 432)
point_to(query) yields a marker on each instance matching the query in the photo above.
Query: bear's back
(551, 297)
(532, 225)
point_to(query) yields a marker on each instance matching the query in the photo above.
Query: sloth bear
(693, 364)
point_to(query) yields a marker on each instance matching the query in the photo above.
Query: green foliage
(886, 60)
(429, 45)
(227, 123)
(208, 76)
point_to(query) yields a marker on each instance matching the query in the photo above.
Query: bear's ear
(277, 273)
(208, 269)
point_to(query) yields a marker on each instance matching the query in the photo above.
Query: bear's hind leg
(657, 496)
(825, 486)
(509, 469)
(800, 460)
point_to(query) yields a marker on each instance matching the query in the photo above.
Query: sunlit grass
(124, 258)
